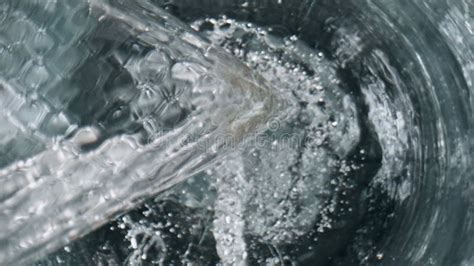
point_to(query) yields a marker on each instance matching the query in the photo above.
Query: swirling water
(371, 162)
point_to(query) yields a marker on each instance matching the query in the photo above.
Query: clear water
(328, 135)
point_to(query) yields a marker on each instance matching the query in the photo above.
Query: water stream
(129, 104)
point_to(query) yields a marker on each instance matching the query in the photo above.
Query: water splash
(384, 178)
(404, 186)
